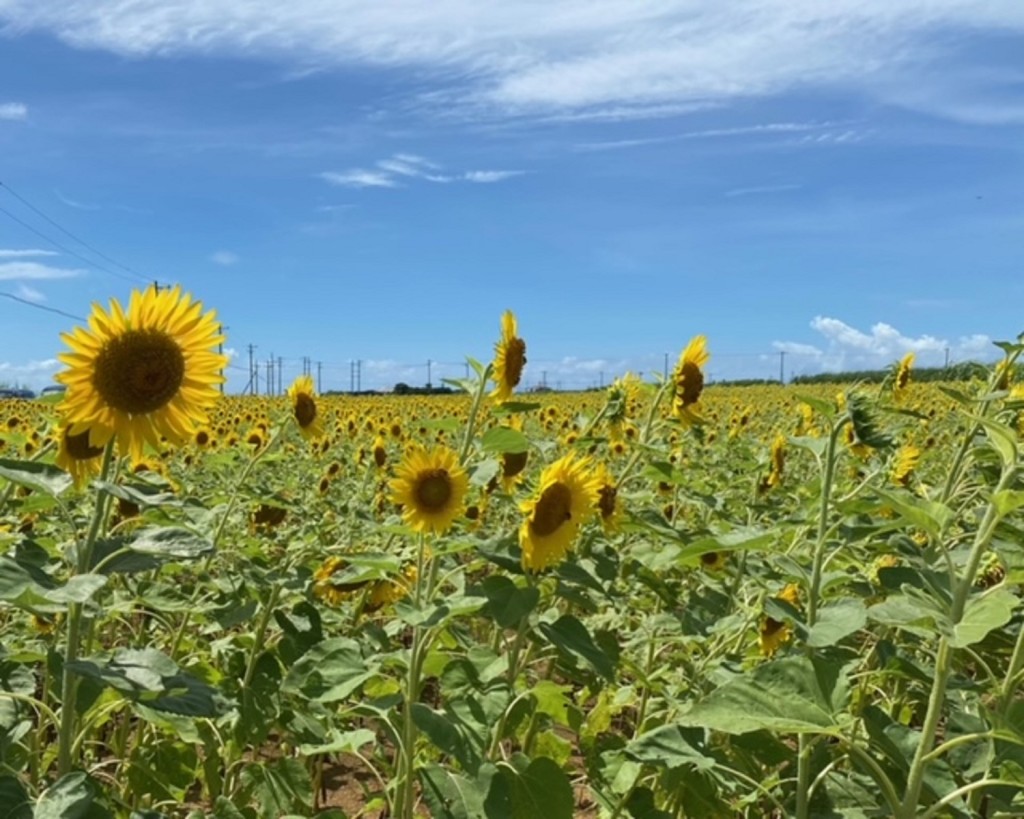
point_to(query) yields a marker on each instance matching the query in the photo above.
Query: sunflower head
(140, 374)
(903, 374)
(567, 497)
(430, 486)
(904, 465)
(688, 379)
(304, 408)
(76, 456)
(609, 504)
(509, 359)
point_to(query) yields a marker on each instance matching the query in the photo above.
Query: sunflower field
(666, 599)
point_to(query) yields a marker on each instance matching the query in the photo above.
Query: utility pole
(947, 359)
(270, 376)
(359, 375)
(782, 366)
(428, 373)
(666, 366)
(543, 378)
(467, 370)
(319, 383)
(280, 383)
(351, 375)
(252, 370)
(601, 382)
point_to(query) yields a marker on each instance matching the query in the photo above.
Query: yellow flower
(140, 374)
(778, 456)
(509, 359)
(903, 374)
(713, 561)
(77, 457)
(386, 592)
(905, 464)
(689, 379)
(430, 486)
(775, 633)
(609, 505)
(304, 409)
(567, 498)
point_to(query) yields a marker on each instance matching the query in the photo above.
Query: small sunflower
(142, 373)
(304, 409)
(569, 493)
(430, 486)
(689, 379)
(904, 465)
(778, 459)
(509, 359)
(324, 586)
(903, 375)
(609, 505)
(77, 457)
(775, 633)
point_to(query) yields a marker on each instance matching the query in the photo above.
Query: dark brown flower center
(515, 360)
(78, 446)
(606, 500)
(689, 384)
(433, 489)
(552, 510)
(512, 463)
(709, 558)
(305, 409)
(139, 371)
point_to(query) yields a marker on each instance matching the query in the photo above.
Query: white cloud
(74, 203)
(358, 178)
(485, 177)
(30, 294)
(409, 167)
(624, 58)
(28, 271)
(757, 190)
(19, 254)
(13, 111)
(224, 257)
(845, 347)
(31, 374)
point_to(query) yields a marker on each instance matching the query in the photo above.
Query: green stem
(645, 433)
(474, 411)
(69, 687)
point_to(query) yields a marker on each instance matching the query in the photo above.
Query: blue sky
(379, 181)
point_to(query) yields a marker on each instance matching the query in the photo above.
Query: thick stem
(69, 682)
(474, 411)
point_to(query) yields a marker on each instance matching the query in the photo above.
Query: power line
(12, 297)
(71, 235)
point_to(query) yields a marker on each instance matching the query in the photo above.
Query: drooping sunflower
(138, 374)
(509, 359)
(609, 504)
(688, 379)
(430, 486)
(567, 497)
(902, 378)
(77, 457)
(304, 409)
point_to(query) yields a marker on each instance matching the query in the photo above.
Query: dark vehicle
(27, 395)
(53, 389)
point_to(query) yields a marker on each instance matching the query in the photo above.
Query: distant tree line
(963, 371)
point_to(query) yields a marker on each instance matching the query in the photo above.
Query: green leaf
(451, 737)
(171, 542)
(14, 798)
(70, 797)
(1002, 439)
(931, 516)
(450, 795)
(504, 439)
(79, 589)
(791, 695)
(1008, 501)
(510, 407)
(507, 604)
(571, 636)
(328, 672)
(280, 787)
(542, 789)
(820, 405)
(836, 621)
(983, 613)
(914, 614)
(44, 478)
(668, 747)
(338, 742)
(743, 539)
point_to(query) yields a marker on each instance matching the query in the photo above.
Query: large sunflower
(509, 359)
(568, 496)
(76, 456)
(304, 409)
(431, 488)
(689, 379)
(140, 374)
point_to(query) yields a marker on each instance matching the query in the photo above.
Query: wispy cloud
(618, 58)
(224, 257)
(764, 129)
(13, 111)
(74, 203)
(400, 169)
(759, 190)
(30, 294)
(34, 271)
(845, 347)
(19, 254)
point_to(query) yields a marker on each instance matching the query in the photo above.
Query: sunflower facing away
(609, 504)
(903, 375)
(138, 374)
(689, 379)
(431, 488)
(509, 359)
(77, 457)
(304, 409)
(775, 633)
(568, 496)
